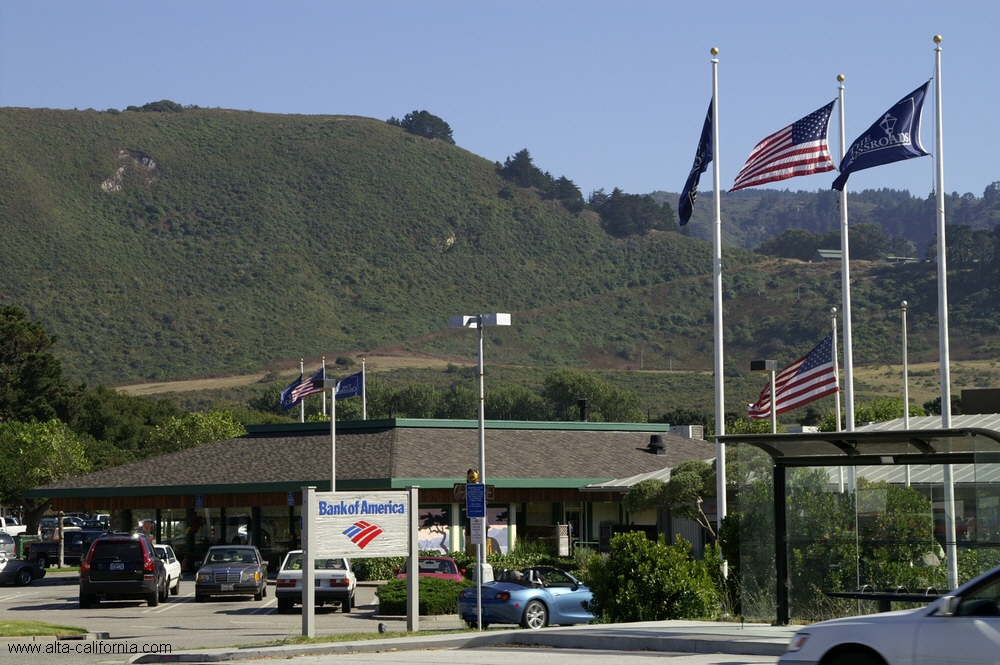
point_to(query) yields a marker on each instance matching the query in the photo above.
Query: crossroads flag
(806, 380)
(799, 149)
(702, 159)
(896, 136)
(287, 398)
(351, 386)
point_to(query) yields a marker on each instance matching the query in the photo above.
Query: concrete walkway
(676, 636)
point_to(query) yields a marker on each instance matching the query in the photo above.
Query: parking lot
(180, 621)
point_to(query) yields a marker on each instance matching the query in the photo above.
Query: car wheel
(353, 604)
(259, 595)
(176, 588)
(475, 624)
(43, 561)
(86, 602)
(535, 615)
(165, 592)
(345, 607)
(198, 598)
(154, 598)
(857, 658)
(24, 576)
(285, 605)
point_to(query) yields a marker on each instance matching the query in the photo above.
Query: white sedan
(960, 628)
(173, 566)
(335, 582)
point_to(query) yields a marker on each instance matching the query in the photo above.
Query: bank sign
(362, 524)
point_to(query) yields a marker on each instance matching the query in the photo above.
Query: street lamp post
(769, 367)
(480, 321)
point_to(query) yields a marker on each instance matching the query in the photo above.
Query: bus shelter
(833, 512)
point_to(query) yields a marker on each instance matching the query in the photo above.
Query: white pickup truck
(11, 526)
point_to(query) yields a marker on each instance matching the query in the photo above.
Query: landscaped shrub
(437, 596)
(645, 580)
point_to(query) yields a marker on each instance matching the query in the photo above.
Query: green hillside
(171, 244)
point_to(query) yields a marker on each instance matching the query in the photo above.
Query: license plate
(227, 587)
(117, 566)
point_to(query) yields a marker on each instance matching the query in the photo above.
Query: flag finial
(840, 78)
(833, 310)
(937, 39)
(714, 51)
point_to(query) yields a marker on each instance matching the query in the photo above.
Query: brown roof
(536, 454)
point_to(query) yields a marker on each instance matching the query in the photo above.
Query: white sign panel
(361, 525)
(478, 535)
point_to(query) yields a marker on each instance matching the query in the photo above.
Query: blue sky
(610, 93)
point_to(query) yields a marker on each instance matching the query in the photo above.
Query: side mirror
(950, 605)
(197, 564)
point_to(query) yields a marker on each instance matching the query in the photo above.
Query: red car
(442, 567)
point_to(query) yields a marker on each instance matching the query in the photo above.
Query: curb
(694, 643)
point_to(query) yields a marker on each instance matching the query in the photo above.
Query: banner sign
(360, 525)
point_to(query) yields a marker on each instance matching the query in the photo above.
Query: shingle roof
(376, 456)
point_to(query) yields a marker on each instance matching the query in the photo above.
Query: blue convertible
(533, 597)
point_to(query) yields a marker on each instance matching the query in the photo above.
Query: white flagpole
(949, 481)
(720, 412)
(836, 373)
(302, 400)
(323, 394)
(906, 388)
(364, 393)
(845, 287)
(836, 368)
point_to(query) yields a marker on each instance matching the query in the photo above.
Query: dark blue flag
(896, 136)
(351, 386)
(701, 161)
(288, 396)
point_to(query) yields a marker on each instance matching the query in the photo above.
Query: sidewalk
(678, 636)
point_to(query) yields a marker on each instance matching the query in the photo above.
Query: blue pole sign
(475, 500)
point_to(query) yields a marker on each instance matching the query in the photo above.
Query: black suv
(122, 567)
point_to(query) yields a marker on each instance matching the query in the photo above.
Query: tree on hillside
(791, 244)
(521, 170)
(31, 381)
(624, 215)
(423, 123)
(120, 420)
(564, 388)
(33, 454)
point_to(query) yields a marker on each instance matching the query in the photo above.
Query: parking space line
(165, 607)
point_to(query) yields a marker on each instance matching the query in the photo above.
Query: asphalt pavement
(213, 632)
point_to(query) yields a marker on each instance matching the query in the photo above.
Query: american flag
(306, 387)
(806, 380)
(799, 149)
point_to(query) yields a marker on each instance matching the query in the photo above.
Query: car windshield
(231, 555)
(294, 562)
(438, 566)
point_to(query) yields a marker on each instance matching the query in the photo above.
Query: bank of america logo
(361, 533)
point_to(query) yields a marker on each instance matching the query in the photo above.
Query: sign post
(308, 569)
(413, 577)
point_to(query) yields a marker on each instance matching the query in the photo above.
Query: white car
(173, 566)
(335, 582)
(961, 627)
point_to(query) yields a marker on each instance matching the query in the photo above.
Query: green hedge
(437, 596)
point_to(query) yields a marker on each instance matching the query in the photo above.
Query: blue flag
(701, 161)
(351, 386)
(896, 136)
(289, 398)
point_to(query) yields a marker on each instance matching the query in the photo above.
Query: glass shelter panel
(755, 568)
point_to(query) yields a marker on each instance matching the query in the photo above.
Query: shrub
(437, 596)
(378, 568)
(645, 580)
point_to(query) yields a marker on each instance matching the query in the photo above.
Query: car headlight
(250, 576)
(798, 642)
(205, 576)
